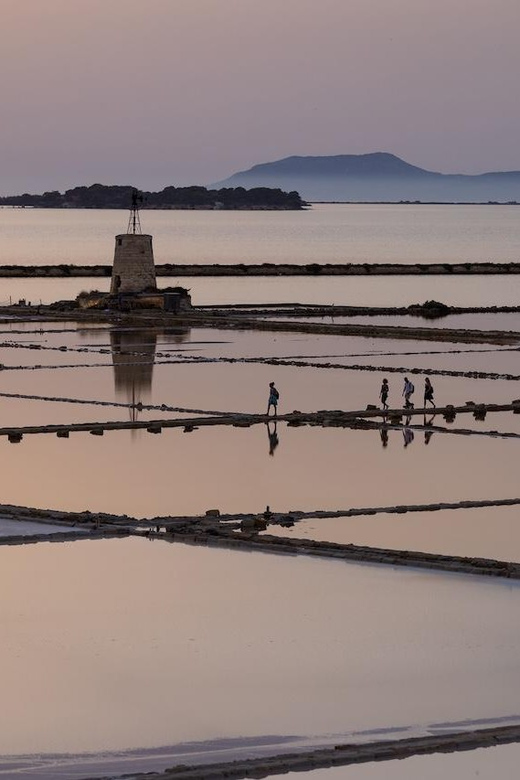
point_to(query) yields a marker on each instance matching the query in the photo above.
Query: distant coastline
(100, 196)
(414, 203)
(305, 205)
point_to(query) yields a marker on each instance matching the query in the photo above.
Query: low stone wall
(216, 530)
(351, 552)
(324, 418)
(269, 269)
(341, 755)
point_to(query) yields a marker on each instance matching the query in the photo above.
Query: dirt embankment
(269, 269)
(341, 755)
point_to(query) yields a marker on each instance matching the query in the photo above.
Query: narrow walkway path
(212, 530)
(139, 406)
(340, 755)
(254, 542)
(324, 418)
(398, 509)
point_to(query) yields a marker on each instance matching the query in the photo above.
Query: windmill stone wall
(134, 269)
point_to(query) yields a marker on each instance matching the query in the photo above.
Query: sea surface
(326, 233)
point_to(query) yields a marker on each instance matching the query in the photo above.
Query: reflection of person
(427, 423)
(408, 436)
(428, 392)
(408, 390)
(273, 438)
(274, 395)
(384, 436)
(383, 393)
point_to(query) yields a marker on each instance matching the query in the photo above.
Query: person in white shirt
(408, 390)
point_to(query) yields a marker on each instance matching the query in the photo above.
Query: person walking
(408, 391)
(383, 393)
(274, 395)
(428, 392)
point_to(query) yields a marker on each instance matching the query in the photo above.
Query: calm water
(496, 763)
(231, 469)
(480, 532)
(244, 469)
(341, 290)
(206, 644)
(487, 321)
(209, 643)
(323, 234)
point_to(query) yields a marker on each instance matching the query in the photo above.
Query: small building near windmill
(134, 268)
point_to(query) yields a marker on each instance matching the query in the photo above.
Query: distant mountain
(375, 177)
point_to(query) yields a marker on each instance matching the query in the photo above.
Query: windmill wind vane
(134, 222)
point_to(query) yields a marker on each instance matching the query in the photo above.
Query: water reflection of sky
(231, 469)
(280, 645)
(340, 290)
(485, 532)
(126, 365)
(126, 643)
(499, 763)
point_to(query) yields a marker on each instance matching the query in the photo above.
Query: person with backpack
(408, 391)
(428, 392)
(274, 395)
(383, 393)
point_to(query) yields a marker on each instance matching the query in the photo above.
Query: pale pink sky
(157, 92)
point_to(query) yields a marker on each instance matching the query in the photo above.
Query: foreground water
(123, 643)
(177, 652)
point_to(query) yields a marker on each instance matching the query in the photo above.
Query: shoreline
(64, 270)
(342, 755)
(273, 754)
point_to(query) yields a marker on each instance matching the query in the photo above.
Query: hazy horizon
(191, 91)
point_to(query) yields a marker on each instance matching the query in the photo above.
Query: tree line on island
(100, 196)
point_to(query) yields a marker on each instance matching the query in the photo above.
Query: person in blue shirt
(274, 395)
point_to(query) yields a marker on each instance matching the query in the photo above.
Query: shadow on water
(408, 432)
(272, 435)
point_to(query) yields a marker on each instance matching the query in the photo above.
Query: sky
(159, 92)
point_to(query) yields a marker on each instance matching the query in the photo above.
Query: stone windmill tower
(134, 269)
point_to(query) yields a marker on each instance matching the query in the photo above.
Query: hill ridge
(374, 176)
